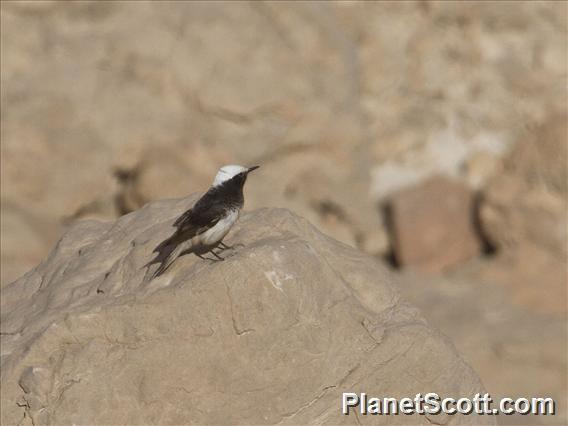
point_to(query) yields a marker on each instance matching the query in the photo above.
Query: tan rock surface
(529, 201)
(273, 334)
(517, 350)
(524, 214)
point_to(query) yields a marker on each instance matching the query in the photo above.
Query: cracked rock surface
(272, 335)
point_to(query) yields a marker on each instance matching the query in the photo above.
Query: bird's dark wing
(206, 212)
(203, 215)
(186, 216)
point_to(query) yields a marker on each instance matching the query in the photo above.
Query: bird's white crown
(227, 172)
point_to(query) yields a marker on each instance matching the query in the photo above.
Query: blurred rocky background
(431, 135)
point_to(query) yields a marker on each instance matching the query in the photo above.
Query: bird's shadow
(165, 250)
(163, 255)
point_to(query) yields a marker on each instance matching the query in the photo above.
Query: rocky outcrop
(526, 204)
(315, 91)
(273, 334)
(524, 215)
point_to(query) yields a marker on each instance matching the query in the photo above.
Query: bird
(202, 228)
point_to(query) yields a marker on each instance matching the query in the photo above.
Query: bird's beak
(250, 169)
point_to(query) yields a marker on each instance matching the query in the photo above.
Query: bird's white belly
(215, 234)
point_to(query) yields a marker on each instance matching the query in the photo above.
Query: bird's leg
(228, 247)
(222, 246)
(221, 249)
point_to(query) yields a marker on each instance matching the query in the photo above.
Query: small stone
(432, 225)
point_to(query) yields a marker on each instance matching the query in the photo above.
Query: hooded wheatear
(203, 227)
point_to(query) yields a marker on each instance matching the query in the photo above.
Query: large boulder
(273, 334)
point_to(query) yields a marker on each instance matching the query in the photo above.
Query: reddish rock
(432, 225)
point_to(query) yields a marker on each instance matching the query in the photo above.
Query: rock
(523, 214)
(516, 350)
(481, 167)
(254, 79)
(273, 334)
(533, 278)
(527, 203)
(432, 225)
(513, 214)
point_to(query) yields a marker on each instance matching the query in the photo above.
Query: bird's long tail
(173, 255)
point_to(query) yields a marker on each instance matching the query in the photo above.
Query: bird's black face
(242, 177)
(239, 179)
